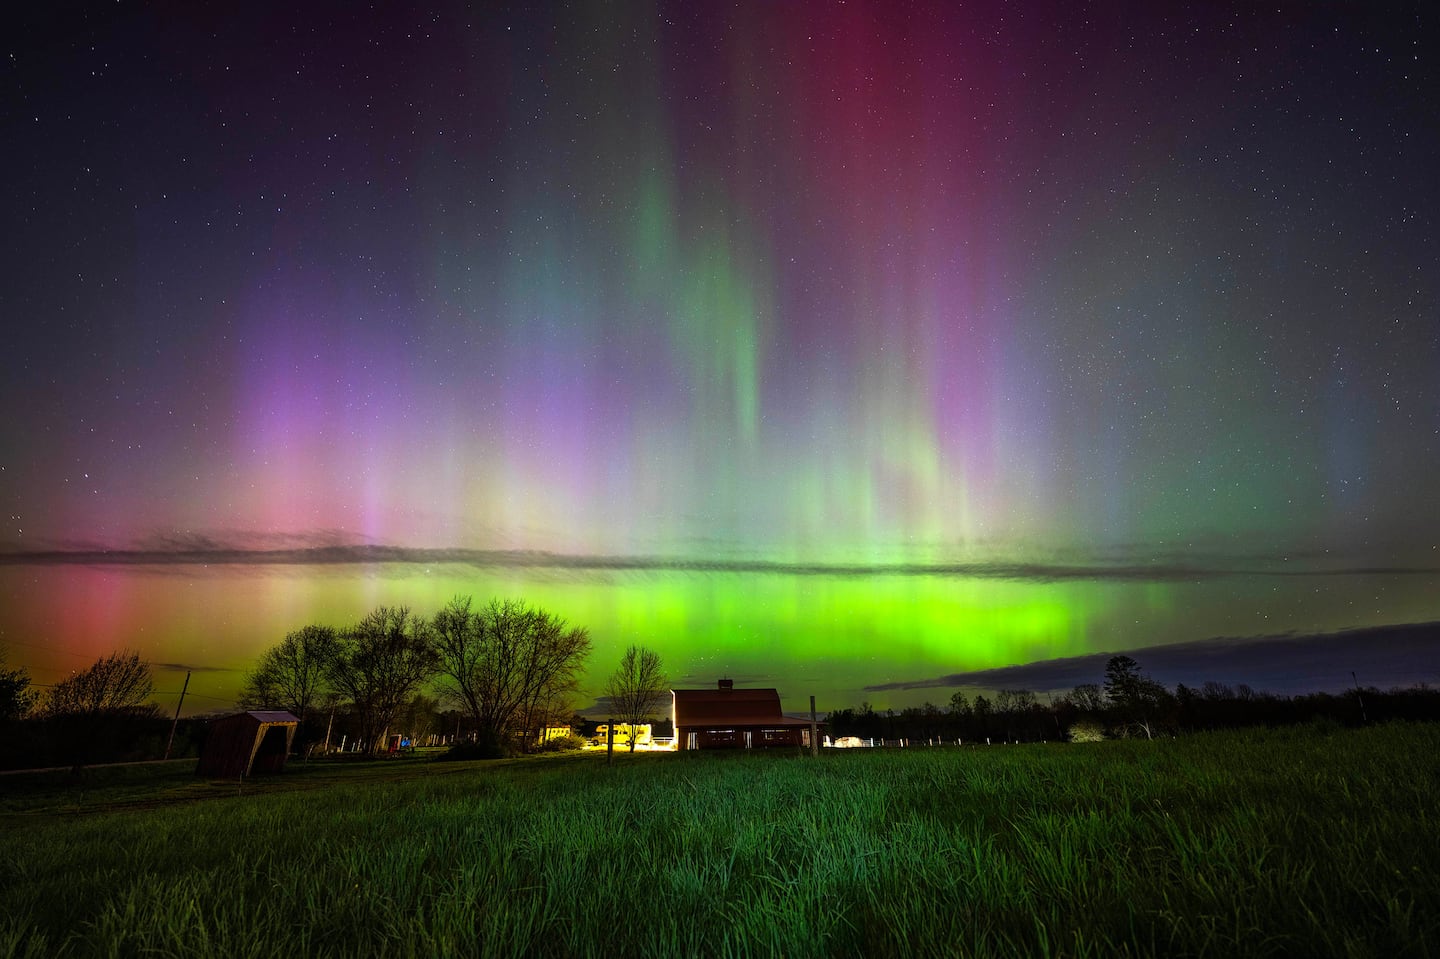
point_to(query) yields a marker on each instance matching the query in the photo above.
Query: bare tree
(1016, 707)
(418, 717)
(509, 665)
(1014, 700)
(97, 711)
(1216, 692)
(637, 687)
(552, 674)
(459, 643)
(981, 716)
(1087, 698)
(116, 684)
(292, 675)
(379, 663)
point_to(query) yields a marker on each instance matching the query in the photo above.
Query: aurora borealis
(827, 346)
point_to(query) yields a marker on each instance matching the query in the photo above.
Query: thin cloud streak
(190, 668)
(213, 553)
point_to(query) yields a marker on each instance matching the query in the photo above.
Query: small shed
(247, 743)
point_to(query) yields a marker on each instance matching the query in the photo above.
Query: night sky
(849, 348)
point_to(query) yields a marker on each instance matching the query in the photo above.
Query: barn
(730, 718)
(246, 744)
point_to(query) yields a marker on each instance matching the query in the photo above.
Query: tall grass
(1264, 843)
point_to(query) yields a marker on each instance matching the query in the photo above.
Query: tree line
(101, 711)
(508, 667)
(505, 670)
(1125, 703)
(502, 671)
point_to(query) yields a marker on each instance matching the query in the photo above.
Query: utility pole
(176, 721)
(1358, 698)
(814, 730)
(610, 740)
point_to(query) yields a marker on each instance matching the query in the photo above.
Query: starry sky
(850, 348)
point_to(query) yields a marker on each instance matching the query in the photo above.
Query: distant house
(730, 718)
(548, 733)
(247, 743)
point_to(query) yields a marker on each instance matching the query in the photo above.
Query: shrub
(561, 744)
(1086, 731)
(462, 752)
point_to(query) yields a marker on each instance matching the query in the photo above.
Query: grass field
(1305, 842)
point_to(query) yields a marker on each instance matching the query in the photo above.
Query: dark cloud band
(212, 553)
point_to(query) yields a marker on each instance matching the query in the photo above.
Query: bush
(462, 752)
(1086, 731)
(561, 744)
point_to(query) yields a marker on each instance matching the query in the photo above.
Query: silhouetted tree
(511, 666)
(1216, 691)
(1088, 698)
(553, 677)
(418, 717)
(1134, 696)
(1183, 709)
(868, 723)
(1185, 700)
(931, 721)
(637, 687)
(100, 711)
(958, 715)
(378, 664)
(292, 675)
(1014, 700)
(1122, 674)
(983, 718)
(16, 696)
(1014, 707)
(923, 723)
(116, 684)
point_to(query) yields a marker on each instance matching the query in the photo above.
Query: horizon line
(361, 554)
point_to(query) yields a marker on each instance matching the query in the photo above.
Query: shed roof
(272, 716)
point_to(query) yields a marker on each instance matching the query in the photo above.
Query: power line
(218, 699)
(48, 649)
(161, 692)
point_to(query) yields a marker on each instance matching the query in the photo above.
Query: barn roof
(731, 707)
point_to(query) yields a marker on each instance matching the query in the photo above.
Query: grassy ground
(1308, 842)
